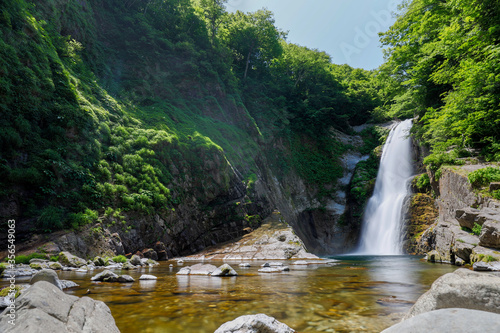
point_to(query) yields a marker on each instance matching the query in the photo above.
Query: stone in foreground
(47, 275)
(254, 323)
(45, 308)
(464, 288)
(449, 320)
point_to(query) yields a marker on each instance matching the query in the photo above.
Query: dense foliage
(107, 107)
(443, 67)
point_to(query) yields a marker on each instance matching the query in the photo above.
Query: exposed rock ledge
(448, 238)
(274, 239)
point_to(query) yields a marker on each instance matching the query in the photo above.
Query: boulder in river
(224, 270)
(254, 323)
(45, 308)
(108, 276)
(198, 269)
(67, 259)
(464, 288)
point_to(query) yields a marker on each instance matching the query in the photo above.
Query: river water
(355, 294)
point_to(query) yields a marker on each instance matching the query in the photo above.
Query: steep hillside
(129, 122)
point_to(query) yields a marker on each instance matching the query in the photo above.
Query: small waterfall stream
(381, 232)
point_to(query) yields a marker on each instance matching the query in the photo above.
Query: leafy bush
(423, 183)
(477, 229)
(83, 218)
(120, 258)
(436, 160)
(484, 176)
(25, 259)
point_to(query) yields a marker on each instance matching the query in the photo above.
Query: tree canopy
(444, 55)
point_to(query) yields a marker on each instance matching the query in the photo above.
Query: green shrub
(436, 160)
(477, 229)
(23, 259)
(120, 258)
(54, 258)
(423, 183)
(483, 177)
(83, 218)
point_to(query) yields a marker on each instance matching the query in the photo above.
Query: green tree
(445, 54)
(214, 12)
(253, 39)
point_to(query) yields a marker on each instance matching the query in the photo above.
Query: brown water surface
(356, 294)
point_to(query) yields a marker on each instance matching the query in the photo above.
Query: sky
(345, 29)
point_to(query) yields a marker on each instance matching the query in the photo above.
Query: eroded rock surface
(273, 240)
(45, 308)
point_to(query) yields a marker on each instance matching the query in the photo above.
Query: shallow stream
(355, 294)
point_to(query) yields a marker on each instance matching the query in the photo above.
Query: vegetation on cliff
(442, 68)
(120, 107)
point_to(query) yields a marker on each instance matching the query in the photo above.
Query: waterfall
(381, 232)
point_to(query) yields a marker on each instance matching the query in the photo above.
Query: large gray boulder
(464, 288)
(67, 259)
(260, 323)
(45, 308)
(449, 320)
(47, 275)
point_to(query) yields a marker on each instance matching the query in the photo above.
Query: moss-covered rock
(67, 259)
(422, 214)
(99, 261)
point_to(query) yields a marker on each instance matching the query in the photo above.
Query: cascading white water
(381, 232)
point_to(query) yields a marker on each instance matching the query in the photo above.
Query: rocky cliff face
(467, 230)
(219, 206)
(153, 146)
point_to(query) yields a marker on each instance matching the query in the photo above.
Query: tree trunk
(248, 61)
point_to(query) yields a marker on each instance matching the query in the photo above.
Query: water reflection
(339, 298)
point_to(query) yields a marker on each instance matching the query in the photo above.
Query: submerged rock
(254, 323)
(198, 269)
(45, 308)
(270, 270)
